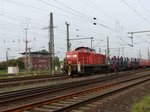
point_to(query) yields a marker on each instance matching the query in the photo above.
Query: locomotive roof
(83, 48)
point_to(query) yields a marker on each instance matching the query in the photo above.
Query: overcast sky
(114, 18)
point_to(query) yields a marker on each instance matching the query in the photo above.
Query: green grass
(3, 72)
(142, 106)
(22, 73)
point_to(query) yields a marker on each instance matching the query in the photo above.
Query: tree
(43, 51)
(13, 62)
(3, 65)
(56, 61)
(20, 63)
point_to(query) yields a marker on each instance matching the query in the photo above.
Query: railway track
(9, 82)
(21, 78)
(67, 103)
(6, 75)
(26, 93)
(53, 89)
(28, 80)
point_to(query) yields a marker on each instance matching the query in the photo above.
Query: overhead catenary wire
(146, 10)
(98, 8)
(25, 5)
(81, 15)
(136, 11)
(95, 6)
(71, 15)
(17, 17)
(70, 8)
(57, 7)
(20, 19)
(47, 3)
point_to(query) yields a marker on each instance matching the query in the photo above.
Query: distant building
(37, 60)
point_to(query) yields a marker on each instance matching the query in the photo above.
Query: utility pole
(26, 57)
(148, 53)
(68, 40)
(30, 64)
(99, 50)
(106, 53)
(118, 51)
(131, 38)
(122, 51)
(51, 44)
(108, 50)
(6, 59)
(140, 54)
(91, 42)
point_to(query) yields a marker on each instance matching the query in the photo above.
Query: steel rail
(83, 100)
(60, 98)
(21, 78)
(27, 93)
(29, 81)
(33, 79)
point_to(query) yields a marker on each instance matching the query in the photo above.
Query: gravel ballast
(121, 102)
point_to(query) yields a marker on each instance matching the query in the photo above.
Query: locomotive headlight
(68, 56)
(74, 55)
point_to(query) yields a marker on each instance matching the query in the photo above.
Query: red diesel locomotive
(85, 60)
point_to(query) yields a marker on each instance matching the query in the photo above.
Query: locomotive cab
(77, 58)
